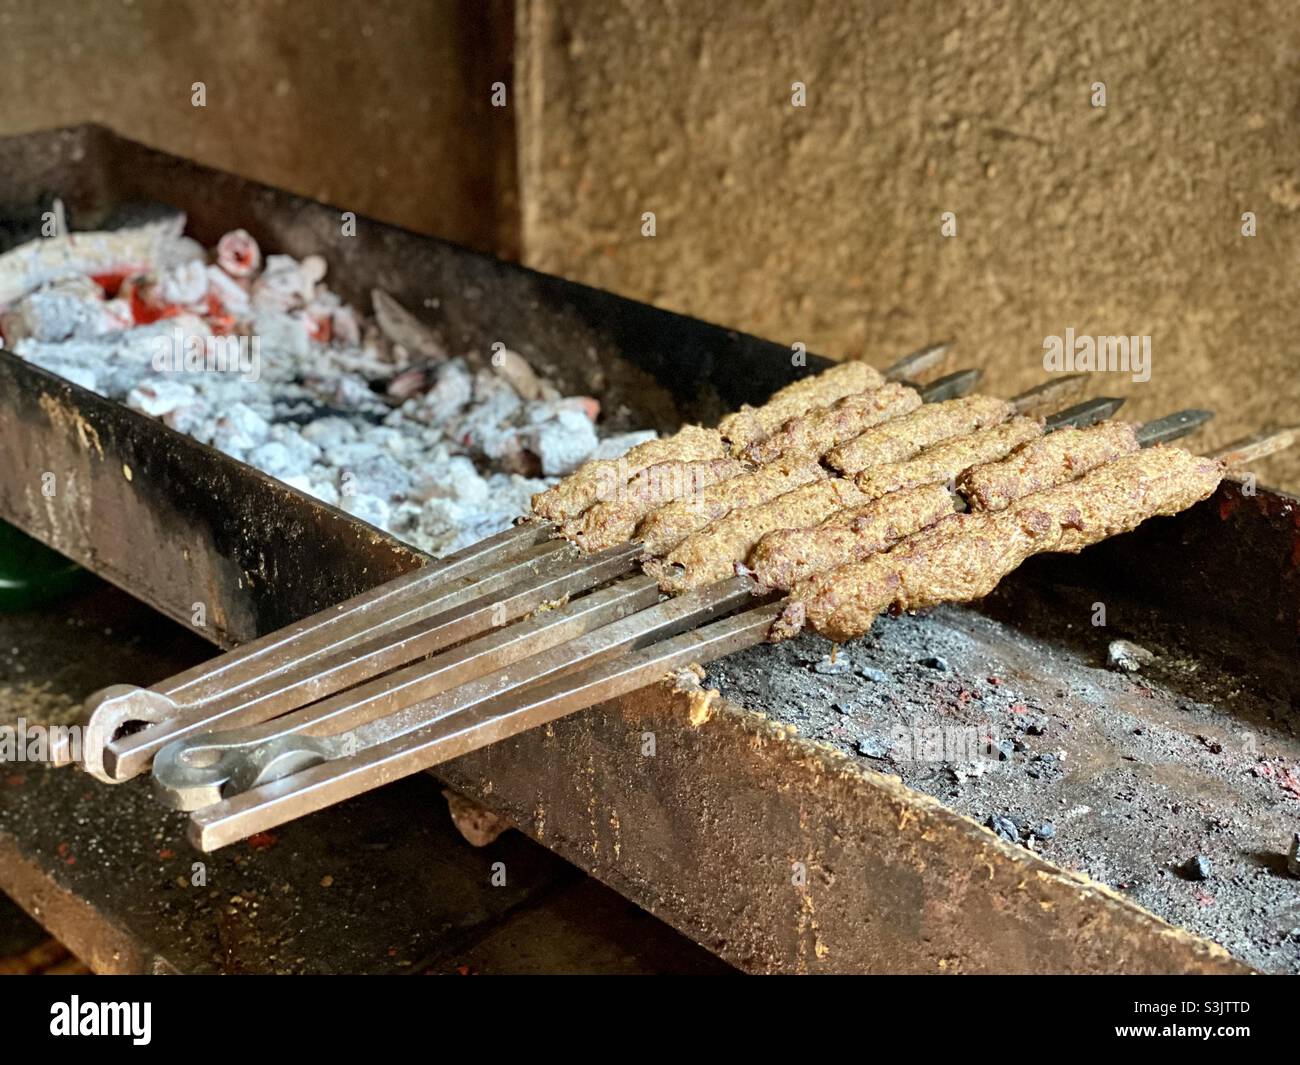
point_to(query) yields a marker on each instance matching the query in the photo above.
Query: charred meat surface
(1056, 458)
(905, 437)
(789, 555)
(964, 556)
(751, 424)
(826, 427)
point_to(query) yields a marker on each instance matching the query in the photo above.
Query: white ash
(439, 453)
(613, 447)
(65, 309)
(1127, 656)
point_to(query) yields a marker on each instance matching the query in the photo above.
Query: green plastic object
(31, 574)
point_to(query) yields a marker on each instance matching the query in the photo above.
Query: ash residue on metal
(1132, 779)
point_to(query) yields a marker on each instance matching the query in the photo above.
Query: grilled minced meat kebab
(1056, 458)
(964, 556)
(759, 502)
(668, 526)
(602, 478)
(826, 427)
(943, 462)
(751, 424)
(905, 437)
(613, 521)
(789, 555)
(711, 554)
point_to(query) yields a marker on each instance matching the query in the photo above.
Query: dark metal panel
(172, 521)
(707, 833)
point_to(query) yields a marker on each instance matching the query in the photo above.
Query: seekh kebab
(613, 521)
(713, 555)
(964, 556)
(1054, 459)
(600, 480)
(904, 465)
(751, 424)
(821, 429)
(714, 552)
(943, 462)
(788, 555)
(902, 438)
(795, 462)
(706, 534)
(665, 528)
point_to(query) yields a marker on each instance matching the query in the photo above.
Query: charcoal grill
(778, 853)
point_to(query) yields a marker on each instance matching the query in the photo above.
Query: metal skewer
(951, 386)
(122, 708)
(378, 754)
(187, 773)
(910, 367)
(1089, 412)
(192, 772)
(1172, 426)
(1051, 394)
(327, 652)
(1260, 445)
(267, 805)
(500, 603)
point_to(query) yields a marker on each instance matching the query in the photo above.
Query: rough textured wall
(823, 223)
(380, 106)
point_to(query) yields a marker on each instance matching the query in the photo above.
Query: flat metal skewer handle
(273, 804)
(191, 773)
(123, 708)
(367, 614)
(504, 593)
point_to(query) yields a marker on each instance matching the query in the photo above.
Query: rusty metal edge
(854, 871)
(91, 935)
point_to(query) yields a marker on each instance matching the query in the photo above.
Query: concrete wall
(822, 223)
(380, 106)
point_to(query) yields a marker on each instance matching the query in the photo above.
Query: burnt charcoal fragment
(1004, 827)
(874, 747)
(832, 667)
